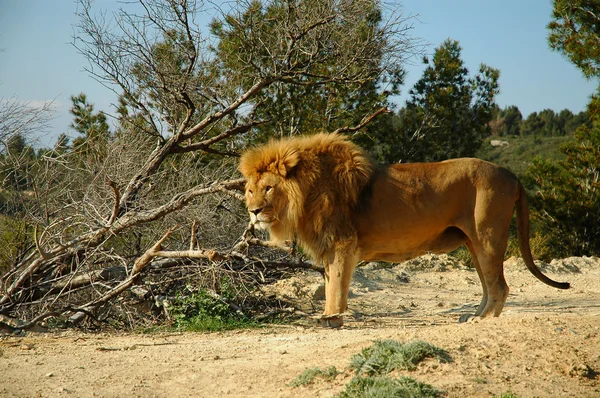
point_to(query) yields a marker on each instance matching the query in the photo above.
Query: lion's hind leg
(481, 278)
(489, 262)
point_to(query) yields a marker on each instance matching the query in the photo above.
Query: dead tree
(186, 109)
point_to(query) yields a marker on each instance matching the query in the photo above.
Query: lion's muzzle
(259, 219)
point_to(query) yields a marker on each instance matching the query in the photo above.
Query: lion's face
(266, 200)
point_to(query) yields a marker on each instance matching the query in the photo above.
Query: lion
(341, 207)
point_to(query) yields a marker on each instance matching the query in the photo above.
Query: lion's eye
(251, 192)
(268, 188)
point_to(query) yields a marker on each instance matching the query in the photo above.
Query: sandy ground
(545, 344)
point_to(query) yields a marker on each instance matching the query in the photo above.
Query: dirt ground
(545, 344)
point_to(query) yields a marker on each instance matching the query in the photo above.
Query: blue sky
(39, 63)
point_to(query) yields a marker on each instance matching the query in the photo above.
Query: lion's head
(266, 200)
(305, 187)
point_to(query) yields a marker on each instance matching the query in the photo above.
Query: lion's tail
(523, 236)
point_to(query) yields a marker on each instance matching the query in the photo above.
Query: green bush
(506, 395)
(463, 255)
(201, 311)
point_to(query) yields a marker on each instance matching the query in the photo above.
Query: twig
(193, 234)
(38, 246)
(275, 245)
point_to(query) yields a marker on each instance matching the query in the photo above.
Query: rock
(299, 288)
(499, 143)
(380, 265)
(402, 277)
(583, 370)
(316, 291)
(431, 262)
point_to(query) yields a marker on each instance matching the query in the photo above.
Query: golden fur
(325, 191)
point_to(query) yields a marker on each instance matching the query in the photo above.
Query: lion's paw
(329, 321)
(466, 318)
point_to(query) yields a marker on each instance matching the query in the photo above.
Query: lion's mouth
(260, 221)
(262, 225)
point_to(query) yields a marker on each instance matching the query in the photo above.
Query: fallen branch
(101, 275)
(145, 258)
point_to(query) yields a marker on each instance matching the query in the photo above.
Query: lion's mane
(323, 178)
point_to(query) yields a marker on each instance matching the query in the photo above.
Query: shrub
(202, 311)
(506, 395)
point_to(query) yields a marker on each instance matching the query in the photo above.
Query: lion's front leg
(338, 275)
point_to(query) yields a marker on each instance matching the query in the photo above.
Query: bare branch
(116, 208)
(366, 120)
(255, 89)
(205, 144)
(142, 261)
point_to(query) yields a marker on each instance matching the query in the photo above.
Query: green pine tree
(448, 112)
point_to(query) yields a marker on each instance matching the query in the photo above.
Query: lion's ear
(288, 162)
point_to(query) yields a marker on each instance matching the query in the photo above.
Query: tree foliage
(448, 112)
(306, 43)
(92, 126)
(19, 121)
(546, 123)
(575, 31)
(512, 118)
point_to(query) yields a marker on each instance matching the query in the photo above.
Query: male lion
(325, 191)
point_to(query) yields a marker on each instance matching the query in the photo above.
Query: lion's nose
(256, 211)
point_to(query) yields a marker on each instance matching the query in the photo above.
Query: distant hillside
(520, 151)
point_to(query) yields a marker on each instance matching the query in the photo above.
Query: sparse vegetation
(385, 387)
(373, 365)
(309, 375)
(385, 356)
(506, 395)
